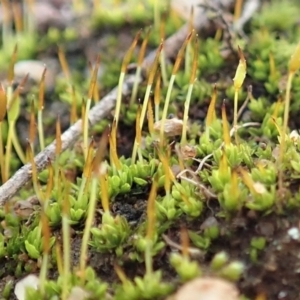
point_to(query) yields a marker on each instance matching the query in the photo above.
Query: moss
(268, 17)
(223, 198)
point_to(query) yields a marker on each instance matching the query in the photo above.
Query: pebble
(28, 281)
(35, 68)
(208, 289)
(294, 233)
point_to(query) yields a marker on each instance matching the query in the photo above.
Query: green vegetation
(207, 181)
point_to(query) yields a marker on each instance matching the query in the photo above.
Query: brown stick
(97, 113)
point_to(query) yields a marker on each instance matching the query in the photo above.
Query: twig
(192, 251)
(201, 186)
(249, 97)
(99, 111)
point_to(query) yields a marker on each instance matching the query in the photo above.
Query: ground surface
(276, 270)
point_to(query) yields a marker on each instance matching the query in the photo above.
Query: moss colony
(194, 174)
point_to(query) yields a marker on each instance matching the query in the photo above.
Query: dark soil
(275, 273)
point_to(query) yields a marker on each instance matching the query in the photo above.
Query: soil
(276, 271)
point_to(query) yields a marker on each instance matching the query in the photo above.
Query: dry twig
(195, 252)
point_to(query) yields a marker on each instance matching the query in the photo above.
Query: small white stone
(28, 281)
(207, 289)
(294, 233)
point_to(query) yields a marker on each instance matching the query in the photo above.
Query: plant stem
(187, 65)
(163, 68)
(82, 186)
(87, 228)
(43, 272)
(285, 127)
(119, 97)
(235, 114)
(41, 130)
(2, 158)
(135, 84)
(193, 78)
(66, 254)
(157, 98)
(8, 151)
(156, 108)
(145, 105)
(139, 67)
(140, 155)
(148, 257)
(165, 111)
(17, 145)
(35, 181)
(143, 114)
(124, 66)
(287, 102)
(186, 113)
(86, 127)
